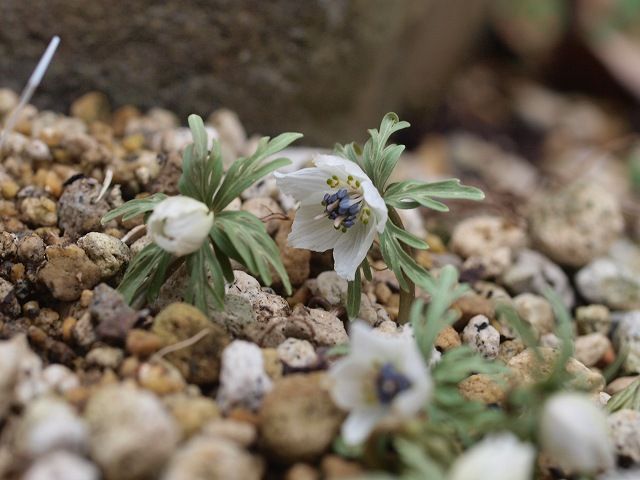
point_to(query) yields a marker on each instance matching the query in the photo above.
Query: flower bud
(180, 224)
(499, 457)
(574, 434)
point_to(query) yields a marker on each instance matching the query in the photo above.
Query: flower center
(389, 383)
(346, 206)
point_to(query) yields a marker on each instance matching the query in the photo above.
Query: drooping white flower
(499, 457)
(574, 434)
(340, 208)
(180, 224)
(382, 376)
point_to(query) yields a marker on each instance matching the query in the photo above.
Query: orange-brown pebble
(114, 232)
(67, 328)
(85, 298)
(609, 356)
(301, 295)
(471, 305)
(383, 293)
(393, 312)
(129, 367)
(51, 136)
(9, 189)
(447, 339)
(302, 471)
(335, 467)
(121, 117)
(436, 245)
(78, 396)
(161, 378)
(424, 259)
(8, 208)
(133, 143)
(17, 272)
(244, 415)
(143, 343)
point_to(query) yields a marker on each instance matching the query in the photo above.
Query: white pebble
(482, 337)
(243, 380)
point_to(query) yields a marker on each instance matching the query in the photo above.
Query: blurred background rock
(328, 68)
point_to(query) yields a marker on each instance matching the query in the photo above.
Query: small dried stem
(182, 344)
(30, 88)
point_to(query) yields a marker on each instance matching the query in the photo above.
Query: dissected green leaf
(412, 194)
(416, 460)
(143, 265)
(564, 333)
(243, 237)
(628, 397)
(135, 207)
(377, 159)
(523, 329)
(397, 259)
(444, 290)
(244, 172)
(206, 280)
(201, 170)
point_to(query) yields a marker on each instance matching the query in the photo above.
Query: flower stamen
(389, 383)
(346, 206)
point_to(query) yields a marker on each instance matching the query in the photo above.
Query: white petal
(411, 401)
(370, 345)
(342, 167)
(189, 230)
(180, 224)
(574, 433)
(308, 185)
(348, 375)
(500, 457)
(351, 249)
(360, 423)
(375, 201)
(413, 366)
(313, 234)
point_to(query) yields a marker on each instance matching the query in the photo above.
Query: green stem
(406, 296)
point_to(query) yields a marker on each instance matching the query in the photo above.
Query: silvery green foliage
(234, 235)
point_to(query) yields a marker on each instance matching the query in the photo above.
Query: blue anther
(355, 208)
(342, 193)
(345, 203)
(333, 215)
(325, 199)
(348, 223)
(389, 383)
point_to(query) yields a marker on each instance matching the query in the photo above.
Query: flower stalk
(408, 295)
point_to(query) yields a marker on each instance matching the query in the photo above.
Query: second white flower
(180, 224)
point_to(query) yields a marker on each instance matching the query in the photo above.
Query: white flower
(382, 376)
(622, 475)
(574, 434)
(499, 457)
(180, 224)
(340, 208)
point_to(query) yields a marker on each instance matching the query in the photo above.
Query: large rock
(198, 363)
(298, 419)
(326, 68)
(132, 434)
(575, 224)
